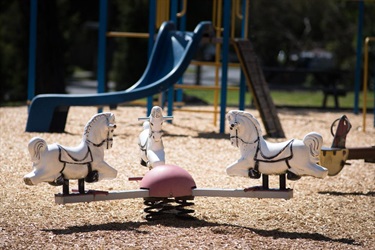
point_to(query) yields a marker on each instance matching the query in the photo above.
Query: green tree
(13, 50)
(295, 25)
(14, 21)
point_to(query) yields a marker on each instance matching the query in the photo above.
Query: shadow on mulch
(334, 193)
(213, 135)
(217, 228)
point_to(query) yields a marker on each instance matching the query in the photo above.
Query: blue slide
(170, 57)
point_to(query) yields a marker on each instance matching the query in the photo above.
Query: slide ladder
(259, 87)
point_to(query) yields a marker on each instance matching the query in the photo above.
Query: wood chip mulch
(332, 213)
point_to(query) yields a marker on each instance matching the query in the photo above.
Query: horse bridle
(107, 140)
(155, 132)
(234, 126)
(102, 142)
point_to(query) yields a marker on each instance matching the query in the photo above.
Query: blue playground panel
(170, 57)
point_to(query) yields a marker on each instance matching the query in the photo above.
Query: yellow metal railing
(184, 8)
(127, 34)
(162, 11)
(162, 14)
(217, 24)
(365, 79)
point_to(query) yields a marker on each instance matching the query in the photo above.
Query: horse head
(99, 130)
(244, 128)
(156, 112)
(156, 124)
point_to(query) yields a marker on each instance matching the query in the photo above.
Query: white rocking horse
(54, 163)
(150, 139)
(296, 158)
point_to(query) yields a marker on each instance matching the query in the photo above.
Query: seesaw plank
(241, 193)
(142, 193)
(100, 196)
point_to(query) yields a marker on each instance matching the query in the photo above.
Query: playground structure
(225, 14)
(165, 184)
(224, 28)
(170, 57)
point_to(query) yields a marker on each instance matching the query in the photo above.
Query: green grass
(289, 98)
(280, 98)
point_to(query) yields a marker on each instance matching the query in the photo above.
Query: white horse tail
(315, 142)
(146, 125)
(36, 146)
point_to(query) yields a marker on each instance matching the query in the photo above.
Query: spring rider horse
(150, 139)
(57, 164)
(295, 158)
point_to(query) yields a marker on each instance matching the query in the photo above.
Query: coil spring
(183, 212)
(156, 208)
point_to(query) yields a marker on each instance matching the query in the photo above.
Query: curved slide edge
(170, 57)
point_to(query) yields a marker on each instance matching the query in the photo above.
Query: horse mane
(92, 122)
(254, 121)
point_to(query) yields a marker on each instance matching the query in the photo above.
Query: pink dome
(168, 181)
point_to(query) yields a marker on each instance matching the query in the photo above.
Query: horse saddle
(75, 156)
(273, 152)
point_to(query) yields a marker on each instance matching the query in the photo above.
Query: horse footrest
(94, 192)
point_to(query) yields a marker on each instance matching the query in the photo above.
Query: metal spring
(157, 207)
(184, 213)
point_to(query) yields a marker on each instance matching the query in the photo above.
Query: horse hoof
(93, 176)
(292, 176)
(143, 163)
(254, 174)
(58, 182)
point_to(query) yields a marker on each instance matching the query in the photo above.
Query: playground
(336, 212)
(273, 194)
